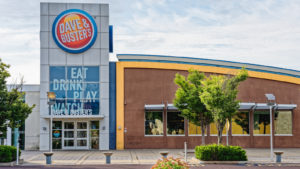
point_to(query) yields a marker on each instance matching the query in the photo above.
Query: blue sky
(263, 32)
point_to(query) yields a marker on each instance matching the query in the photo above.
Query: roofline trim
(167, 56)
(206, 64)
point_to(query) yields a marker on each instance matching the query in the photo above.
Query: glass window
(81, 134)
(57, 73)
(59, 88)
(76, 72)
(69, 125)
(56, 125)
(77, 89)
(81, 125)
(283, 122)
(261, 122)
(94, 134)
(94, 125)
(56, 134)
(92, 74)
(95, 143)
(91, 91)
(175, 123)
(69, 134)
(75, 106)
(81, 143)
(69, 143)
(91, 107)
(154, 123)
(214, 130)
(194, 129)
(56, 143)
(59, 108)
(240, 123)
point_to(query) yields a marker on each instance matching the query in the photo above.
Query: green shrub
(216, 152)
(8, 153)
(170, 162)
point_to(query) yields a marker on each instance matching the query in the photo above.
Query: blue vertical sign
(111, 47)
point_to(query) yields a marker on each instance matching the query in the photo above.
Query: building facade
(128, 104)
(146, 89)
(75, 65)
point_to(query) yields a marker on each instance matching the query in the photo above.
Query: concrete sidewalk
(143, 156)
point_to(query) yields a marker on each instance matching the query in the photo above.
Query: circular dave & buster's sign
(74, 31)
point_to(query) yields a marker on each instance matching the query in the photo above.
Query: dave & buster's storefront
(146, 117)
(128, 104)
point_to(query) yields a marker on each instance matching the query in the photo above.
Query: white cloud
(263, 32)
(263, 35)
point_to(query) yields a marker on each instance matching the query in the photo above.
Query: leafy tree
(188, 101)
(13, 109)
(3, 97)
(219, 96)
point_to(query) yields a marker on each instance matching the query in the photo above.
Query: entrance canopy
(75, 117)
(243, 106)
(264, 106)
(154, 106)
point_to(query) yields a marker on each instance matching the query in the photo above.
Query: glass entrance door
(75, 135)
(68, 135)
(82, 135)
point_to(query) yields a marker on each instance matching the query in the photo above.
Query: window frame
(162, 112)
(261, 110)
(184, 128)
(292, 115)
(248, 125)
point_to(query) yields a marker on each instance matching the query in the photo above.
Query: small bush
(170, 162)
(8, 153)
(216, 152)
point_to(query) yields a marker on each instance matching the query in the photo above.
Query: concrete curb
(223, 162)
(13, 163)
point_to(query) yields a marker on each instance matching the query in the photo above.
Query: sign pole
(271, 134)
(227, 127)
(50, 129)
(17, 153)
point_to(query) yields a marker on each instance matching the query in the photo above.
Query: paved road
(137, 166)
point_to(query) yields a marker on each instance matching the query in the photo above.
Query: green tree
(3, 97)
(13, 109)
(219, 96)
(188, 101)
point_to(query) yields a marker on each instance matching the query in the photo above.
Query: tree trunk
(220, 130)
(203, 127)
(219, 137)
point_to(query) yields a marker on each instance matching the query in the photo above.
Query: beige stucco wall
(32, 123)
